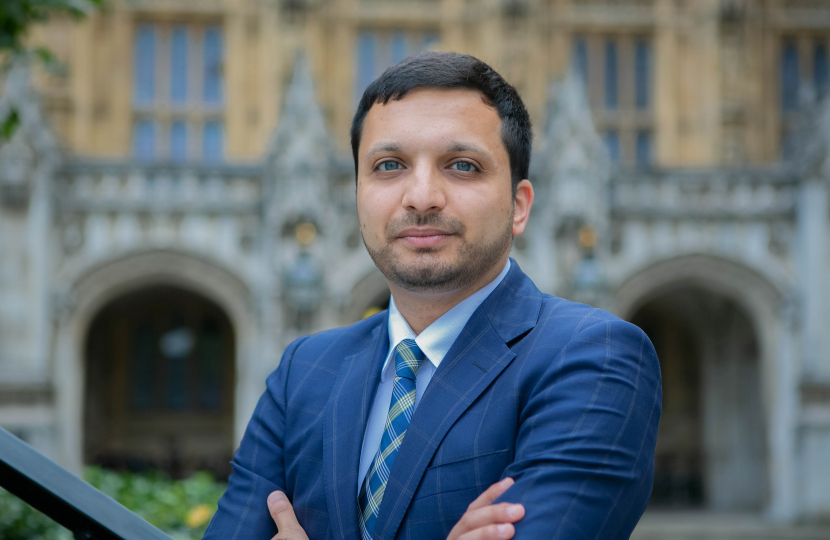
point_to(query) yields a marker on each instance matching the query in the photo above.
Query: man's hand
(283, 514)
(484, 520)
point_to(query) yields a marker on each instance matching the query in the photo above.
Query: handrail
(65, 498)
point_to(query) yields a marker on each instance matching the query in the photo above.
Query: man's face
(434, 194)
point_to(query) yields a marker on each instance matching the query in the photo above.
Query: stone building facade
(159, 250)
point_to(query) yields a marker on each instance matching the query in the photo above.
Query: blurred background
(177, 205)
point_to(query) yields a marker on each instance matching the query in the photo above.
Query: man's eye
(463, 166)
(389, 166)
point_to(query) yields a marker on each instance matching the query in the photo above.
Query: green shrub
(181, 508)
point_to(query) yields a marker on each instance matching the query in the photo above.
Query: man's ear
(521, 206)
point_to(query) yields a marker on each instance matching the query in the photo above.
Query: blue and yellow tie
(407, 359)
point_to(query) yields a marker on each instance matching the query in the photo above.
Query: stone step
(713, 526)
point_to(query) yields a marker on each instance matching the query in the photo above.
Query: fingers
(502, 531)
(503, 513)
(492, 493)
(283, 514)
(484, 520)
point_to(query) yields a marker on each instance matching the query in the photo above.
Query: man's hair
(453, 70)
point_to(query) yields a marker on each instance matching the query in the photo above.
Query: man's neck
(421, 309)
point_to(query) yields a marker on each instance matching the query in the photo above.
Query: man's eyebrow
(458, 146)
(383, 147)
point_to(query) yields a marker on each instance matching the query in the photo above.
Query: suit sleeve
(584, 463)
(258, 466)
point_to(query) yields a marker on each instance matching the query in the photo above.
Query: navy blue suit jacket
(562, 397)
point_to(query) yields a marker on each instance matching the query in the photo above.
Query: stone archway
(761, 314)
(711, 450)
(160, 383)
(95, 288)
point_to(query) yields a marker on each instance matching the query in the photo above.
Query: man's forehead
(430, 99)
(460, 117)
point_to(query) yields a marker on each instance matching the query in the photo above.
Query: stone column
(784, 504)
(812, 260)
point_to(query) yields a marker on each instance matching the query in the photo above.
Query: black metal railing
(65, 498)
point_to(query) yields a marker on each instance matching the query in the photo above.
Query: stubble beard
(430, 274)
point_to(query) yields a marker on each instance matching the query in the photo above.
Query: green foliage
(19, 521)
(8, 125)
(16, 19)
(18, 16)
(181, 508)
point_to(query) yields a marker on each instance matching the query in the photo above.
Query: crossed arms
(582, 464)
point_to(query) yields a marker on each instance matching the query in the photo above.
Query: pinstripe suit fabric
(407, 359)
(562, 397)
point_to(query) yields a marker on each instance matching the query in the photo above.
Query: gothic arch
(106, 281)
(748, 287)
(765, 305)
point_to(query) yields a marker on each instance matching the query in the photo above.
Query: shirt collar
(437, 338)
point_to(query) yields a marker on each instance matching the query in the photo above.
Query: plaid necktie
(407, 359)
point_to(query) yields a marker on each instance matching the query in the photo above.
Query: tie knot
(407, 359)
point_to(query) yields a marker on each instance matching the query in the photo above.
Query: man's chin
(423, 274)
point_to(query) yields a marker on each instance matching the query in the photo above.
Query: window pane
(612, 144)
(213, 65)
(789, 77)
(143, 367)
(178, 65)
(213, 142)
(643, 148)
(210, 349)
(398, 47)
(366, 45)
(820, 70)
(176, 344)
(144, 140)
(579, 60)
(611, 76)
(144, 64)
(178, 141)
(642, 75)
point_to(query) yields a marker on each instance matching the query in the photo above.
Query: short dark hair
(453, 70)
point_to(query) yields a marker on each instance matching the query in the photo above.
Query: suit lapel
(474, 361)
(347, 412)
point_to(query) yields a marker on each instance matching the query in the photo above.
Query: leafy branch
(17, 17)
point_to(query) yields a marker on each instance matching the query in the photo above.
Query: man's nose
(424, 189)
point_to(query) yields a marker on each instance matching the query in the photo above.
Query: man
(394, 427)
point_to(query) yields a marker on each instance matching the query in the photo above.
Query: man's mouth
(424, 237)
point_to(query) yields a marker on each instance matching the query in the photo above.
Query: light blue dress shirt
(435, 341)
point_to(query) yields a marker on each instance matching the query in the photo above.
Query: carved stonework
(32, 153)
(301, 152)
(811, 158)
(571, 159)
(571, 170)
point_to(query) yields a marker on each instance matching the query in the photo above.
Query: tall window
(178, 92)
(611, 80)
(642, 74)
(144, 64)
(144, 140)
(820, 70)
(580, 59)
(376, 50)
(643, 148)
(804, 74)
(178, 66)
(618, 73)
(789, 77)
(612, 144)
